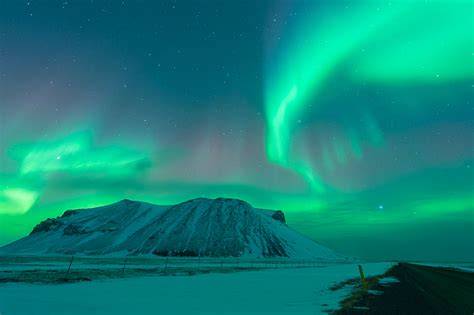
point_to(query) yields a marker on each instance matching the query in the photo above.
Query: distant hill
(199, 227)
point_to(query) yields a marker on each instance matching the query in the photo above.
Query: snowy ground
(468, 266)
(273, 291)
(54, 269)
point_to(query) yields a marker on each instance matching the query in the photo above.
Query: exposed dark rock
(74, 229)
(184, 253)
(47, 225)
(279, 216)
(68, 213)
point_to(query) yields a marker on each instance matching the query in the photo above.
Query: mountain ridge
(221, 227)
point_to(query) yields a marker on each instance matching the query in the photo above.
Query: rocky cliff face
(199, 227)
(279, 216)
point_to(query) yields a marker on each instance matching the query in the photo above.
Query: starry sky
(353, 117)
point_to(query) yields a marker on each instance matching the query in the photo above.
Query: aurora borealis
(353, 117)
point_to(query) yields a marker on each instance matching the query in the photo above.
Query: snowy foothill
(274, 291)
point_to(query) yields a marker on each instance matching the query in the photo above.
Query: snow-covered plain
(276, 291)
(467, 266)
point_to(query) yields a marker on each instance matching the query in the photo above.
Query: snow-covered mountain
(198, 227)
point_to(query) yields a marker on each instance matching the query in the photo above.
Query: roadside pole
(69, 268)
(124, 264)
(362, 278)
(166, 265)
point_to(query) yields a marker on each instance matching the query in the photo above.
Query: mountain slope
(198, 227)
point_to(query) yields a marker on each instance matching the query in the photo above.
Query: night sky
(353, 117)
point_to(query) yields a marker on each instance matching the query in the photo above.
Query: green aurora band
(400, 42)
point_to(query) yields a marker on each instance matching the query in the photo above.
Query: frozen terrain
(465, 266)
(60, 269)
(274, 291)
(199, 227)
